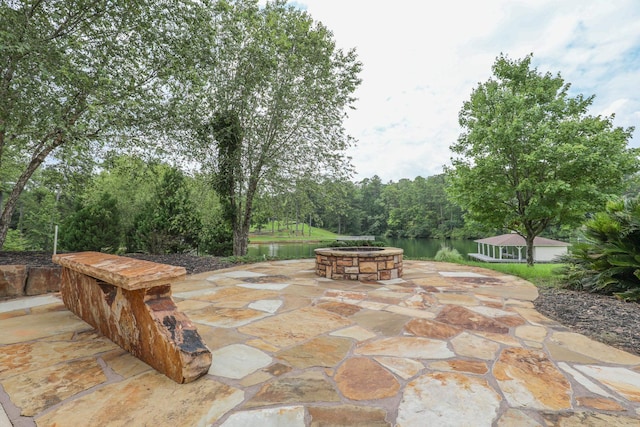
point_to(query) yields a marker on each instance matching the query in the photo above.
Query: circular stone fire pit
(359, 263)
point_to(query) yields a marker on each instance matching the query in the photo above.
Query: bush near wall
(609, 261)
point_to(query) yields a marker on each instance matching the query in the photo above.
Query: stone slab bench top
(123, 272)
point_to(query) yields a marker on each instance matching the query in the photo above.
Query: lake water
(413, 248)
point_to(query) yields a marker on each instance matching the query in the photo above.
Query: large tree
(77, 73)
(282, 76)
(530, 155)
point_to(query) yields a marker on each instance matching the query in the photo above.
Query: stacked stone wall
(338, 265)
(22, 280)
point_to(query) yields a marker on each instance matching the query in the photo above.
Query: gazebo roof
(513, 239)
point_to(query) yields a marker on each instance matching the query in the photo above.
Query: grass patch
(541, 275)
(544, 275)
(282, 234)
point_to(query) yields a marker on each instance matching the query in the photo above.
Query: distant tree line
(417, 208)
(134, 205)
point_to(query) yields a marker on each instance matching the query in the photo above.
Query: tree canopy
(75, 74)
(531, 156)
(280, 73)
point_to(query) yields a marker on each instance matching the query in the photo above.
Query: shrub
(15, 241)
(95, 227)
(609, 261)
(216, 237)
(447, 254)
(168, 222)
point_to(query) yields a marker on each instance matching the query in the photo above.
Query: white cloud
(422, 60)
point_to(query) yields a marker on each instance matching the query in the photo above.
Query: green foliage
(94, 227)
(50, 196)
(216, 237)
(227, 132)
(334, 205)
(283, 77)
(15, 241)
(37, 215)
(420, 208)
(609, 261)
(74, 75)
(168, 222)
(530, 156)
(416, 208)
(632, 185)
(369, 200)
(448, 254)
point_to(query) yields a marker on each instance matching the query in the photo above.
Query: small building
(513, 248)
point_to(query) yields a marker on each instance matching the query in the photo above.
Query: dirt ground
(600, 317)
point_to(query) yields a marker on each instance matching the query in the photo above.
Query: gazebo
(513, 248)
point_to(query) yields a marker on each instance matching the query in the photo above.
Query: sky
(422, 59)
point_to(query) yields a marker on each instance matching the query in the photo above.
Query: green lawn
(282, 234)
(541, 275)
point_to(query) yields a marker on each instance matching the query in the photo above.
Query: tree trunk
(240, 241)
(243, 221)
(241, 231)
(529, 239)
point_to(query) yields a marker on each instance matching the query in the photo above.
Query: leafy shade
(530, 156)
(609, 262)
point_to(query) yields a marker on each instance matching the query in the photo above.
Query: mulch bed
(600, 317)
(192, 263)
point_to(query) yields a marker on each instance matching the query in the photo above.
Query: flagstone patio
(445, 345)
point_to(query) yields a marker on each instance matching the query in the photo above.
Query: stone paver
(237, 361)
(448, 399)
(359, 378)
(444, 345)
